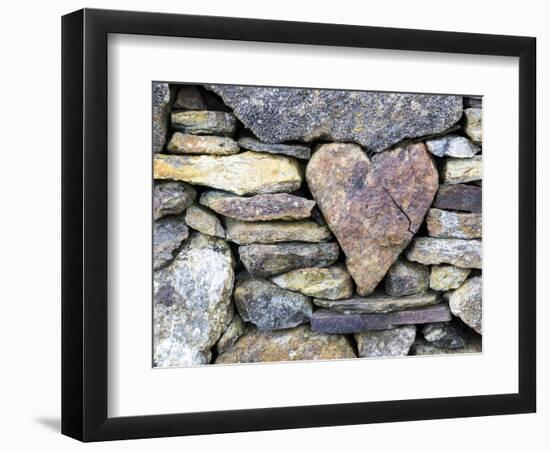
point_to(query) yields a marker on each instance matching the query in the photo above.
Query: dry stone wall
(300, 224)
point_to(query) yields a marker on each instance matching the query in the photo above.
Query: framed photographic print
(274, 224)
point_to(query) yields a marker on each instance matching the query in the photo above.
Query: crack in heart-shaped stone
(373, 207)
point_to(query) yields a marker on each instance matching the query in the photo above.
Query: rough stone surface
(298, 151)
(278, 231)
(462, 197)
(270, 307)
(171, 197)
(205, 221)
(386, 343)
(379, 303)
(473, 124)
(472, 102)
(264, 259)
(204, 122)
(464, 253)
(331, 282)
(243, 173)
(443, 335)
(465, 302)
(189, 97)
(447, 224)
(446, 278)
(373, 208)
(168, 234)
(181, 143)
(326, 321)
(421, 347)
(231, 334)
(406, 278)
(452, 145)
(192, 302)
(259, 207)
(287, 114)
(295, 344)
(456, 170)
(161, 104)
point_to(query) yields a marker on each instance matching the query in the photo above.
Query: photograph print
(294, 224)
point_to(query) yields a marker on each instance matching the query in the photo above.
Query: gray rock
(295, 344)
(192, 302)
(447, 224)
(231, 334)
(161, 105)
(298, 151)
(263, 260)
(372, 119)
(446, 278)
(462, 197)
(443, 335)
(386, 343)
(326, 321)
(464, 253)
(168, 234)
(243, 173)
(171, 197)
(259, 207)
(462, 170)
(270, 307)
(452, 145)
(204, 122)
(466, 302)
(379, 303)
(472, 101)
(205, 221)
(191, 144)
(473, 125)
(406, 278)
(331, 282)
(421, 347)
(189, 97)
(277, 231)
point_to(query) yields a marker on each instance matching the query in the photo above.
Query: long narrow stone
(261, 207)
(464, 253)
(263, 260)
(181, 143)
(326, 321)
(243, 173)
(204, 122)
(379, 303)
(298, 151)
(244, 233)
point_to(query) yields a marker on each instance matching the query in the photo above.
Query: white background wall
(30, 226)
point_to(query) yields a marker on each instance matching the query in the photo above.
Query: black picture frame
(84, 224)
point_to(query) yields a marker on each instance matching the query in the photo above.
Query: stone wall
(299, 224)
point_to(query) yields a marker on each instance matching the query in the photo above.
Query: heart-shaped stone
(373, 207)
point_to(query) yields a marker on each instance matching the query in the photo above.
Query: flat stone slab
(243, 173)
(327, 321)
(204, 122)
(181, 143)
(464, 253)
(244, 233)
(263, 260)
(375, 120)
(298, 151)
(262, 207)
(462, 197)
(379, 303)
